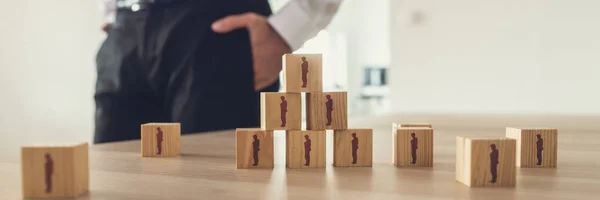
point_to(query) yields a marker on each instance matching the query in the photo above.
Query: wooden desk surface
(206, 170)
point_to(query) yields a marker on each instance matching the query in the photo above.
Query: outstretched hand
(267, 45)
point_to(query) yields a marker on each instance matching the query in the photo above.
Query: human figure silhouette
(354, 148)
(283, 109)
(307, 150)
(255, 149)
(540, 148)
(159, 139)
(49, 170)
(329, 106)
(494, 163)
(304, 72)
(414, 145)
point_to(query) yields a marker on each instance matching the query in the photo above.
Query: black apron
(165, 64)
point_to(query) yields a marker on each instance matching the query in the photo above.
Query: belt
(138, 5)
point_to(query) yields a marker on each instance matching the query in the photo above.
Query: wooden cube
(413, 146)
(254, 148)
(55, 171)
(280, 111)
(416, 125)
(536, 147)
(161, 139)
(353, 148)
(486, 161)
(326, 110)
(302, 73)
(305, 149)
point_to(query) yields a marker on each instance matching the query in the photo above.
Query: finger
(232, 22)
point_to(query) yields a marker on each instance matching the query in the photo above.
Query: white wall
(364, 26)
(47, 70)
(488, 56)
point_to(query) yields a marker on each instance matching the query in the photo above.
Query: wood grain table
(206, 168)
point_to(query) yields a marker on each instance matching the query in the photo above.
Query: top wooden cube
(536, 147)
(302, 73)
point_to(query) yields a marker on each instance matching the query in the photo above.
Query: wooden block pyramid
(302, 73)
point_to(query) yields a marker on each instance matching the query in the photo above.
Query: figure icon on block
(159, 139)
(354, 148)
(255, 149)
(494, 163)
(540, 148)
(307, 150)
(414, 145)
(304, 72)
(283, 108)
(329, 106)
(49, 170)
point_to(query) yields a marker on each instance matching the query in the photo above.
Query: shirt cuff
(110, 17)
(109, 10)
(293, 24)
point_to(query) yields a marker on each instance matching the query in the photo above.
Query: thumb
(232, 22)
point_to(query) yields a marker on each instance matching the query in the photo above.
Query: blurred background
(394, 57)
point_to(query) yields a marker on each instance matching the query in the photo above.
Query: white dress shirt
(296, 22)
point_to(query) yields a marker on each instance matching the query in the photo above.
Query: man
(307, 150)
(49, 170)
(202, 63)
(354, 148)
(494, 163)
(159, 139)
(414, 145)
(540, 148)
(304, 71)
(283, 109)
(255, 149)
(329, 106)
